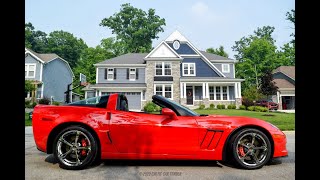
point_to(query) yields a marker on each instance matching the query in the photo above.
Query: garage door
(134, 99)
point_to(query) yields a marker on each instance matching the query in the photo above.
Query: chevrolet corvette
(83, 132)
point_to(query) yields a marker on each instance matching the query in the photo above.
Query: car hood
(222, 121)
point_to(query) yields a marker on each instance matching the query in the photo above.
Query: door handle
(108, 116)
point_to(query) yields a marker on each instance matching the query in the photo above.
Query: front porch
(193, 94)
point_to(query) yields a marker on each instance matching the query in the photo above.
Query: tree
(291, 16)
(66, 46)
(268, 86)
(35, 40)
(135, 28)
(219, 51)
(257, 58)
(28, 86)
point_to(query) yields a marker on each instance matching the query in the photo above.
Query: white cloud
(200, 9)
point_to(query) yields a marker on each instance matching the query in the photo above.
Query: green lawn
(283, 121)
(27, 122)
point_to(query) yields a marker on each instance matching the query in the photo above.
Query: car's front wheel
(250, 148)
(75, 148)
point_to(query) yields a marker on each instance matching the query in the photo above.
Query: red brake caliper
(84, 144)
(241, 151)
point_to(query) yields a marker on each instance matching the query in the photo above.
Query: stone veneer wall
(150, 73)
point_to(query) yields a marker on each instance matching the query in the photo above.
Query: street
(39, 165)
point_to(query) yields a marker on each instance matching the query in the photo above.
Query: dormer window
(132, 74)
(176, 44)
(110, 74)
(225, 68)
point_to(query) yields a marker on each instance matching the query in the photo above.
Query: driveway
(39, 165)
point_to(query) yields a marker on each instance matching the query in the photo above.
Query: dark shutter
(115, 73)
(106, 73)
(137, 74)
(127, 73)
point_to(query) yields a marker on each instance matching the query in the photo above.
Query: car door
(142, 133)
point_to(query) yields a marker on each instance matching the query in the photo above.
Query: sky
(205, 23)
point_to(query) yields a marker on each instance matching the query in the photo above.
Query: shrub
(56, 103)
(260, 109)
(151, 107)
(221, 106)
(211, 106)
(251, 108)
(27, 103)
(202, 106)
(33, 104)
(242, 107)
(246, 102)
(231, 106)
(44, 100)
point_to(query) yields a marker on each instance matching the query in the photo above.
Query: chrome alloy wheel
(252, 149)
(73, 147)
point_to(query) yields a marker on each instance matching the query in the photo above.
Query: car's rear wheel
(75, 148)
(250, 148)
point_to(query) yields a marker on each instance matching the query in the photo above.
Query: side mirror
(169, 112)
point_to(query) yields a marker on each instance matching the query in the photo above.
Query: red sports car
(83, 132)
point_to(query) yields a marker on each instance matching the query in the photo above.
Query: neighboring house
(175, 69)
(284, 78)
(50, 74)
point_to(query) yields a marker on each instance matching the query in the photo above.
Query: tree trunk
(257, 83)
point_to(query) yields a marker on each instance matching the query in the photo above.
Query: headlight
(274, 126)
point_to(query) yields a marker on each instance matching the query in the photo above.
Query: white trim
(41, 67)
(203, 90)
(207, 90)
(190, 55)
(145, 99)
(278, 97)
(118, 87)
(181, 90)
(223, 61)
(29, 52)
(28, 67)
(228, 69)
(120, 65)
(97, 70)
(239, 86)
(163, 89)
(100, 93)
(222, 100)
(211, 80)
(162, 69)
(228, 93)
(96, 93)
(234, 71)
(287, 95)
(109, 79)
(163, 42)
(188, 68)
(85, 95)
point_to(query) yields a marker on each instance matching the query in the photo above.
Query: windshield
(176, 107)
(99, 101)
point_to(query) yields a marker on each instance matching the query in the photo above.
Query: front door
(189, 90)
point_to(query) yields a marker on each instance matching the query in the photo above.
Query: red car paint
(138, 135)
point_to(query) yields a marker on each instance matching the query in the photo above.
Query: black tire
(246, 155)
(78, 153)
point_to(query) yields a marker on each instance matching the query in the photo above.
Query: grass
(283, 121)
(27, 122)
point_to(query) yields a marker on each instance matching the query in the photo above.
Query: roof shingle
(130, 58)
(287, 70)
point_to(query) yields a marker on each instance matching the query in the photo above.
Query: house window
(164, 90)
(110, 74)
(132, 75)
(224, 93)
(189, 69)
(218, 93)
(30, 70)
(163, 69)
(211, 92)
(225, 68)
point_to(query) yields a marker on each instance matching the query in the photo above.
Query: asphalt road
(39, 165)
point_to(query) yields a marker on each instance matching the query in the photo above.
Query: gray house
(284, 78)
(175, 69)
(50, 74)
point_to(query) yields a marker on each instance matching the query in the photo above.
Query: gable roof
(165, 47)
(46, 58)
(283, 83)
(286, 70)
(129, 58)
(211, 56)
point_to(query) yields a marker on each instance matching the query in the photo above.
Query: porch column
(184, 90)
(204, 90)
(236, 91)
(181, 90)
(239, 91)
(207, 90)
